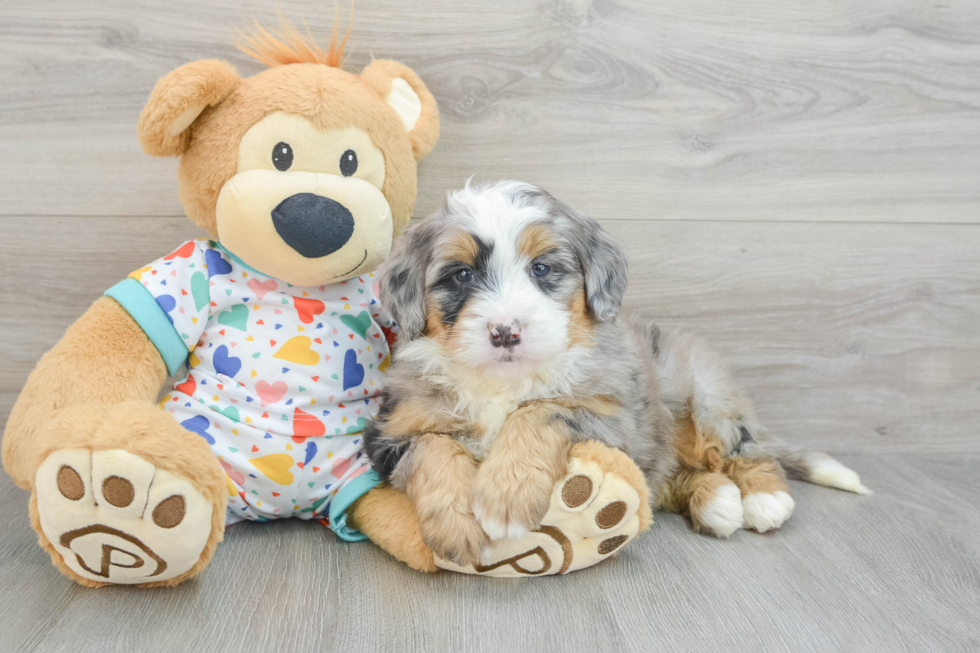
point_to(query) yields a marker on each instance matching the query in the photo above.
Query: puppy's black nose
(313, 225)
(505, 335)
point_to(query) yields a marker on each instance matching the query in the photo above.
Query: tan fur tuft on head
(288, 45)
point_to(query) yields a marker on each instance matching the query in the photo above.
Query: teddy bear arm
(104, 358)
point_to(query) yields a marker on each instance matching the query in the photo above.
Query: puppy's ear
(404, 92)
(178, 99)
(604, 262)
(401, 282)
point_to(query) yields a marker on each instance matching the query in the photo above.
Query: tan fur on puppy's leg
(513, 488)
(440, 484)
(709, 499)
(753, 475)
(388, 517)
(766, 503)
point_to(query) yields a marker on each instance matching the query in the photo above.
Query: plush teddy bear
(303, 174)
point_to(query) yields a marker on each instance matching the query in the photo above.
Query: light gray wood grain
(677, 109)
(856, 337)
(895, 571)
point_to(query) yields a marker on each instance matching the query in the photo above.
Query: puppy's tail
(818, 468)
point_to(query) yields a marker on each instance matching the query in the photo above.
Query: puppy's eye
(282, 156)
(348, 163)
(464, 276)
(540, 270)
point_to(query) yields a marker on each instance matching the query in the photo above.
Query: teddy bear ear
(178, 99)
(403, 91)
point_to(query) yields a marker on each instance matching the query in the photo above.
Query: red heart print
(306, 425)
(307, 308)
(184, 251)
(187, 387)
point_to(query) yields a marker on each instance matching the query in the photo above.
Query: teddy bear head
(303, 171)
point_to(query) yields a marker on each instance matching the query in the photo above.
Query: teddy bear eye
(282, 156)
(348, 163)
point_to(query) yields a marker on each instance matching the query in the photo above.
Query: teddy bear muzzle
(305, 228)
(312, 224)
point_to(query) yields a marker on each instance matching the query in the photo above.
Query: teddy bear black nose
(313, 225)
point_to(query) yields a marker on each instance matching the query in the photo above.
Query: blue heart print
(353, 371)
(310, 451)
(225, 364)
(199, 424)
(167, 303)
(216, 263)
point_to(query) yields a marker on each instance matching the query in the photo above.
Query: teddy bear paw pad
(116, 518)
(593, 514)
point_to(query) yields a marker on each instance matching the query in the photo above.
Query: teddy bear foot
(596, 509)
(114, 518)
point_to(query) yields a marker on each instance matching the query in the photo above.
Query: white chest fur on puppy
(487, 400)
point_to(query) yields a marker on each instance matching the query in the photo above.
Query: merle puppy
(511, 350)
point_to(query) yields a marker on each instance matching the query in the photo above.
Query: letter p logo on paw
(108, 547)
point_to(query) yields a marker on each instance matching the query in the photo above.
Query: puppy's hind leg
(694, 381)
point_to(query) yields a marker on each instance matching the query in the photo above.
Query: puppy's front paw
(510, 499)
(453, 535)
(596, 508)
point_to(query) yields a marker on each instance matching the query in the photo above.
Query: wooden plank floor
(895, 571)
(798, 181)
